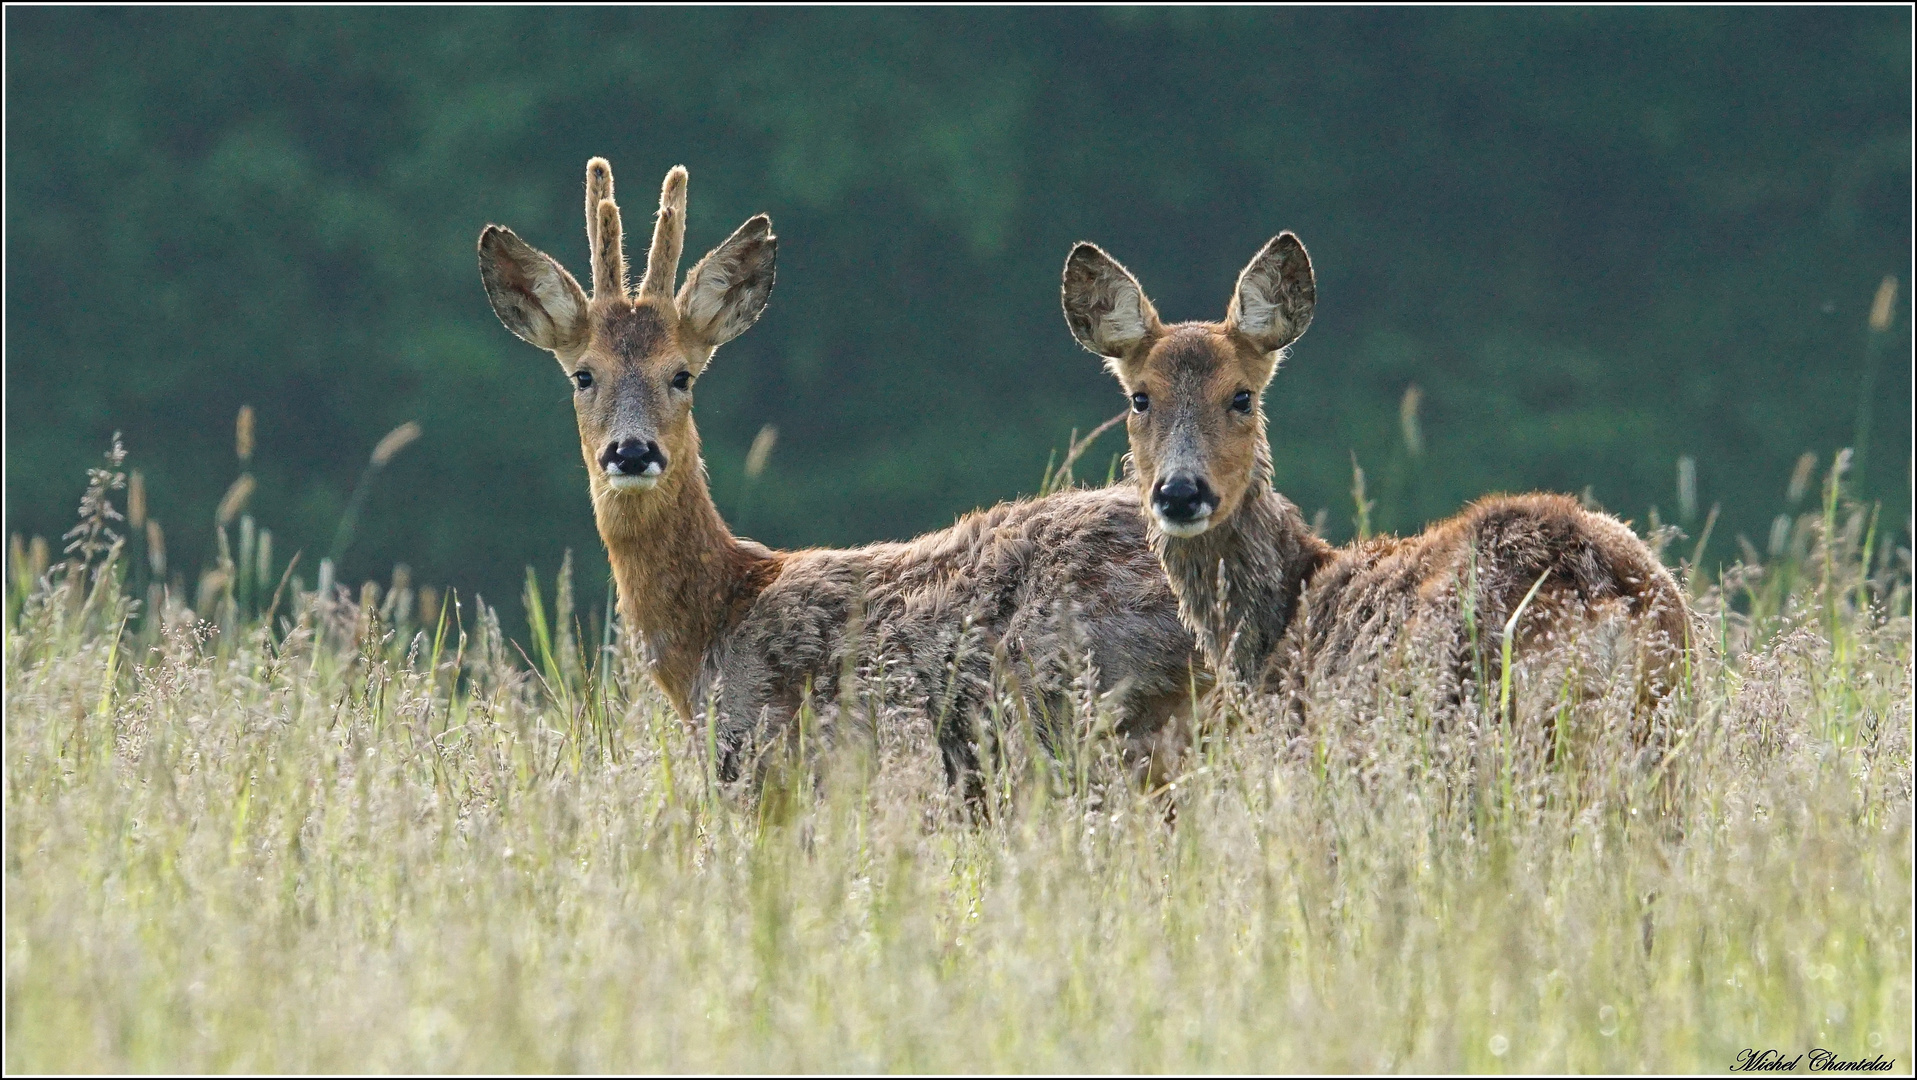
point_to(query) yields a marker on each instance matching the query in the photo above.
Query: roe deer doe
(739, 636)
(1276, 607)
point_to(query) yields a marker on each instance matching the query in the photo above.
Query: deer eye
(682, 380)
(1241, 401)
(1141, 402)
(582, 379)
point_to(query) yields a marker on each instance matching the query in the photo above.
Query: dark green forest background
(1596, 239)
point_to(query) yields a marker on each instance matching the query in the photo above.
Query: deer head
(632, 357)
(1197, 426)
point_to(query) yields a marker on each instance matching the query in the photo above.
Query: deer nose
(1182, 497)
(633, 457)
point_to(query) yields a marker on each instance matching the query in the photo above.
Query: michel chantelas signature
(1819, 1060)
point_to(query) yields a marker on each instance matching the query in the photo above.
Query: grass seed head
(136, 500)
(155, 547)
(234, 500)
(761, 451)
(396, 440)
(243, 434)
(1686, 487)
(1883, 307)
(1408, 419)
(1801, 478)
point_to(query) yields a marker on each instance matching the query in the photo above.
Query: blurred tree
(1597, 239)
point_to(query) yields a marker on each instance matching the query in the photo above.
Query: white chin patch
(1182, 528)
(629, 482)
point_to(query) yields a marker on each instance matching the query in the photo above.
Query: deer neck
(1238, 583)
(683, 578)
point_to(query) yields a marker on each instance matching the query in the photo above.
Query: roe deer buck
(1271, 603)
(738, 636)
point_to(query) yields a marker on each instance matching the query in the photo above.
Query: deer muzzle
(633, 464)
(1182, 503)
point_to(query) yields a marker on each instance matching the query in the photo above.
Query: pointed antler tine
(608, 254)
(598, 190)
(668, 236)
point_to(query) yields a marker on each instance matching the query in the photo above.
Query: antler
(603, 232)
(668, 237)
(598, 190)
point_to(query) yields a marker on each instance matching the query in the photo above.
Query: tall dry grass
(293, 829)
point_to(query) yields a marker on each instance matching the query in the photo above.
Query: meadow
(267, 827)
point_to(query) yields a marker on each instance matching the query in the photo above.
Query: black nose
(1182, 497)
(633, 457)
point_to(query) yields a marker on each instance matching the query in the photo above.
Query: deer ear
(1275, 295)
(531, 293)
(727, 291)
(1104, 306)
